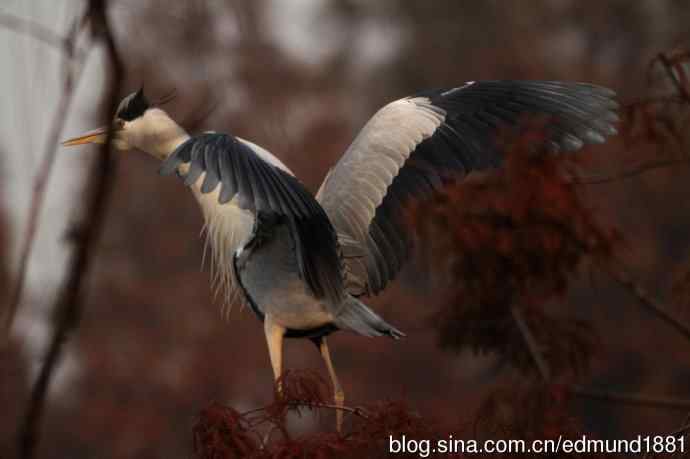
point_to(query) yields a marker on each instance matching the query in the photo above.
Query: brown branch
(35, 30)
(44, 34)
(72, 74)
(684, 430)
(670, 66)
(68, 306)
(532, 344)
(632, 399)
(634, 171)
(357, 411)
(203, 116)
(652, 304)
(680, 432)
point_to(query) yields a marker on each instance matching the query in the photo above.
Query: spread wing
(235, 180)
(414, 145)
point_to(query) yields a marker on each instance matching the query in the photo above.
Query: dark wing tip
(396, 334)
(578, 113)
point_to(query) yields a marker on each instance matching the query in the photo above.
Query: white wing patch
(370, 164)
(357, 185)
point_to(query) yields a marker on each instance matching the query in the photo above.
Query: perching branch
(357, 411)
(72, 67)
(68, 306)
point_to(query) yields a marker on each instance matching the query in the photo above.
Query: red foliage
(299, 388)
(222, 432)
(529, 412)
(521, 410)
(510, 239)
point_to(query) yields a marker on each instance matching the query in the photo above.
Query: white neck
(155, 133)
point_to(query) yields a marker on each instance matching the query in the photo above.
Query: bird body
(258, 253)
(302, 262)
(267, 271)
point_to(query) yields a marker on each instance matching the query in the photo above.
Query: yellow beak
(96, 136)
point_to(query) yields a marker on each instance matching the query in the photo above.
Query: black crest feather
(133, 106)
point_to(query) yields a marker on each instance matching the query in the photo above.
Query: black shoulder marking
(133, 106)
(260, 187)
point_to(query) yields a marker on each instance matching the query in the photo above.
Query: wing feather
(253, 181)
(415, 145)
(212, 175)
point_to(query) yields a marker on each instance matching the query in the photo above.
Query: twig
(33, 29)
(68, 307)
(632, 399)
(680, 432)
(635, 171)
(357, 411)
(198, 118)
(532, 344)
(44, 34)
(73, 73)
(652, 304)
(669, 66)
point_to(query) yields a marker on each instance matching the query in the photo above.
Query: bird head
(136, 124)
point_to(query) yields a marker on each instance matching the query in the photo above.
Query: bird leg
(338, 394)
(274, 339)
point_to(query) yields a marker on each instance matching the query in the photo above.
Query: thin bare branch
(632, 399)
(532, 344)
(684, 430)
(680, 432)
(200, 114)
(357, 411)
(652, 304)
(35, 30)
(72, 74)
(670, 65)
(68, 306)
(632, 172)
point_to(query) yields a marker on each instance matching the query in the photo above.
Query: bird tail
(357, 317)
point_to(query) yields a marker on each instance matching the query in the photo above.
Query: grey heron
(304, 263)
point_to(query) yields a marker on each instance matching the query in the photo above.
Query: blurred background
(300, 77)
